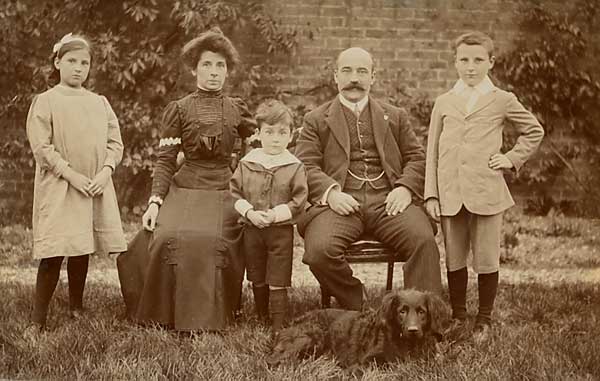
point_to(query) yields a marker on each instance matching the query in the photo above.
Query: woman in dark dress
(183, 270)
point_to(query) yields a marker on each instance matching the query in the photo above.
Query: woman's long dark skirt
(188, 273)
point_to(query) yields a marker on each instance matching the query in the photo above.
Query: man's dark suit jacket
(324, 148)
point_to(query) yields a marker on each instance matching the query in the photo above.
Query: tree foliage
(136, 47)
(555, 70)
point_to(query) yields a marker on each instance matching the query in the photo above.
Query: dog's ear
(387, 311)
(437, 314)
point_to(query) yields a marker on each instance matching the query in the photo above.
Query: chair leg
(390, 276)
(325, 298)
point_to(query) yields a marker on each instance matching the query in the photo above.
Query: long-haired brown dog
(408, 321)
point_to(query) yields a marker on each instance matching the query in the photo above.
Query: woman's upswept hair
(212, 40)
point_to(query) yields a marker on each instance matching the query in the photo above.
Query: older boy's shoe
(481, 330)
(77, 313)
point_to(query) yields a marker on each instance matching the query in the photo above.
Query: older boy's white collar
(485, 86)
(472, 93)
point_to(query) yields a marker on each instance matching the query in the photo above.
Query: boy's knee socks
(261, 301)
(279, 307)
(488, 287)
(457, 288)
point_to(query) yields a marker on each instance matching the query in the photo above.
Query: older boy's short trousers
(269, 254)
(480, 233)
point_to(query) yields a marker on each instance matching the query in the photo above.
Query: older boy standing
(464, 182)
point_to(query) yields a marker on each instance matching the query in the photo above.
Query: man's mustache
(354, 86)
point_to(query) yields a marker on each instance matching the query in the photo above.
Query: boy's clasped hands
(261, 219)
(88, 187)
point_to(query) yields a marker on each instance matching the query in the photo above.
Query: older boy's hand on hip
(78, 181)
(500, 161)
(258, 218)
(397, 200)
(432, 205)
(98, 183)
(342, 203)
(150, 216)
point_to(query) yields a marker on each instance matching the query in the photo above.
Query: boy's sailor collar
(485, 86)
(352, 106)
(259, 156)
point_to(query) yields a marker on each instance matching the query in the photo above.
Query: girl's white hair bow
(66, 39)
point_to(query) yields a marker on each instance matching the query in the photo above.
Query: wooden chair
(368, 250)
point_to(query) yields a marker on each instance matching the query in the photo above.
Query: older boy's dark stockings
(457, 288)
(47, 278)
(488, 287)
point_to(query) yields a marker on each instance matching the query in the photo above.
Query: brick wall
(410, 40)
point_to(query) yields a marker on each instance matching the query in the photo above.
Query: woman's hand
(258, 218)
(78, 181)
(96, 186)
(150, 216)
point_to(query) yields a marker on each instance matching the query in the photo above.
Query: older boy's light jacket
(460, 144)
(263, 182)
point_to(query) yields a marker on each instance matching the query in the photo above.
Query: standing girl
(76, 142)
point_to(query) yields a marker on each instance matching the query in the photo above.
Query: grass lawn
(547, 321)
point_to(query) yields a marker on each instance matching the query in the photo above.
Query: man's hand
(342, 203)
(432, 205)
(150, 216)
(258, 218)
(98, 183)
(78, 181)
(397, 200)
(500, 161)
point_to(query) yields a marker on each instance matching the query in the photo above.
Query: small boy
(270, 187)
(464, 182)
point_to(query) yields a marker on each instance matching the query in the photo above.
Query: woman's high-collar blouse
(204, 125)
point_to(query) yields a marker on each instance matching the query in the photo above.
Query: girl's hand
(78, 181)
(258, 218)
(432, 205)
(97, 185)
(150, 216)
(500, 161)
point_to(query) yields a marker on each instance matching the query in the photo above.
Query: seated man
(364, 167)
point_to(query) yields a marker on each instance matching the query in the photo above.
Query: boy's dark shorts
(269, 254)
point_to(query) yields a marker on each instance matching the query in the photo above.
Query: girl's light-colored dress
(73, 128)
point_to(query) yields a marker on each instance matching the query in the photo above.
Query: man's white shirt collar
(352, 106)
(482, 88)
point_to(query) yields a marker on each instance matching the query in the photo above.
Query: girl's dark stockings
(47, 278)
